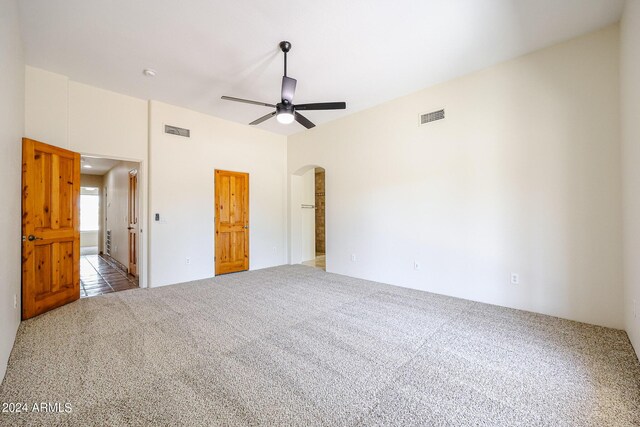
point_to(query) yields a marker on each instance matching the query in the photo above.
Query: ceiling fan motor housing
(284, 107)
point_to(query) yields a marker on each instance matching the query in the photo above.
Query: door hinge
(24, 238)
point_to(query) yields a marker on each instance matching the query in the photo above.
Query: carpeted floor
(294, 345)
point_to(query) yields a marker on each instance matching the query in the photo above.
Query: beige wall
(47, 107)
(106, 123)
(630, 90)
(522, 176)
(116, 187)
(181, 183)
(11, 131)
(84, 118)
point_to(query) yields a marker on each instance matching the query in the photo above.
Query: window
(89, 212)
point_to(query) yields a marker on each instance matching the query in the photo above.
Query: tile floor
(99, 276)
(320, 261)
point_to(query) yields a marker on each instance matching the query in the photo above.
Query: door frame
(144, 217)
(294, 217)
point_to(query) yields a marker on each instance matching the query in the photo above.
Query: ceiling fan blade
(288, 88)
(263, 118)
(322, 106)
(304, 121)
(246, 101)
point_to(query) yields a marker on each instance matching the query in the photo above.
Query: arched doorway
(307, 226)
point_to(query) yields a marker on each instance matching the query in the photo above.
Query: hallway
(98, 275)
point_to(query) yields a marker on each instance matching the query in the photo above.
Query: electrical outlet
(15, 301)
(353, 257)
(187, 261)
(416, 265)
(515, 279)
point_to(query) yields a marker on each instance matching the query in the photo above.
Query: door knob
(32, 238)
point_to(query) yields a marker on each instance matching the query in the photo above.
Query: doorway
(308, 217)
(320, 258)
(108, 225)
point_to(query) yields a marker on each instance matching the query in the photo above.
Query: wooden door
(231, 221)
(50, 227)
(133, 222)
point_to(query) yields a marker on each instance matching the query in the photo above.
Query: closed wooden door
(133, 222)
(50, 227)
(231, 221)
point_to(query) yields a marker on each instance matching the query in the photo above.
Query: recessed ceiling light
(149, 72)
(87, 166)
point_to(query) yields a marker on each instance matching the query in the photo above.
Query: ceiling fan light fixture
(285, 114)
(285, 118)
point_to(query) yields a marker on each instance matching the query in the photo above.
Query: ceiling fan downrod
(285, 46)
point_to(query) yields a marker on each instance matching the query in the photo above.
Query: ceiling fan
(286, 112)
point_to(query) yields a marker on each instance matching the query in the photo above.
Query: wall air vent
(431, 117)
(174, 130)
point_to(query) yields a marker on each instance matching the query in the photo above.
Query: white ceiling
(99, 166)
(363, 52)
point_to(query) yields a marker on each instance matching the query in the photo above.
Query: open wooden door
(231, 221)
(133, 222)
(50, 227)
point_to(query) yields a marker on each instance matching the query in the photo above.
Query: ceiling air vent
(431, 117)
(174, 130)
